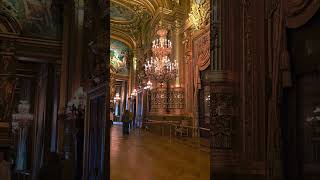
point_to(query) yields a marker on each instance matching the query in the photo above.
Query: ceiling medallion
(197, 14)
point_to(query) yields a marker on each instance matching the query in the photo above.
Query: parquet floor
(146, 156)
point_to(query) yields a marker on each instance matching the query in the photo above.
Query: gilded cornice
(125, 38)
(151, 6)
(147, 14)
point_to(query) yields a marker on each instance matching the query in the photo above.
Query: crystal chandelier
(149, 85)
(160, 67)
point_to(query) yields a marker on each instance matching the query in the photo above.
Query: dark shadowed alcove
(300, 125)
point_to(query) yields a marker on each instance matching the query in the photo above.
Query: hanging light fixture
(117, 97)
(149, 85)
(160, 67)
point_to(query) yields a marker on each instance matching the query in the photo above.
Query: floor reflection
(145, 156)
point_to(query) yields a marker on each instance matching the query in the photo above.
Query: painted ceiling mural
(119, 54)
(120, 13)
(36, 17)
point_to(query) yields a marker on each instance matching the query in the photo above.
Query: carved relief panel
(176, 98)
(222, 115)
(158, 100)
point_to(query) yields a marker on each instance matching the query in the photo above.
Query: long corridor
(146, 156)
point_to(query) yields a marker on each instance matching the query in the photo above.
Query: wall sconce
(134, 93)
(117, 97)
(77, 103)
(208, 98)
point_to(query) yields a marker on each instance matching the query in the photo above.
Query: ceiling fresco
(36, 17)
(120, 13)
(119, 56)
(131, 19)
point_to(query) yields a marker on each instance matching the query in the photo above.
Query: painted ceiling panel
(119, 54)
(36, 17)
(120, 13)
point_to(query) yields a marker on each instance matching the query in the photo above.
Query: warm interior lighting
(197, 14)
(134, 92)
(117, 97)
(160, 67)
(149, 85)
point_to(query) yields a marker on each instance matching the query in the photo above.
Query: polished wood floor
(146, 156)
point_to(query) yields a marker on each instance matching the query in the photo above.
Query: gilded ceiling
(120, 13)
(130, 18)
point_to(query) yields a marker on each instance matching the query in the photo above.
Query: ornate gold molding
(123, 37)
(173, 100)
(200, 14)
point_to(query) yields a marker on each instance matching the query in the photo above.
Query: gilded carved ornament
(187, 46)
(199, 14)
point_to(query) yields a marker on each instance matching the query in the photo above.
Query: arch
(123, 37)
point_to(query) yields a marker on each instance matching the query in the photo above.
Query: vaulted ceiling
(130, 17)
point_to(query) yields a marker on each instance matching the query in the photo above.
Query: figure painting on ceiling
(36, 17)
(120, 13)
(119, 56)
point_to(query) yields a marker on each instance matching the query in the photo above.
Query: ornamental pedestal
(222, 113)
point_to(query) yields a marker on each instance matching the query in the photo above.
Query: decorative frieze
(158, 99)
(163, 101)
(176, 99)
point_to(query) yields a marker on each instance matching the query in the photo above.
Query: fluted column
(222, 96)
(187, 61)
(177, 39)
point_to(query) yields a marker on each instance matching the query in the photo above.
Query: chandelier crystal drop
(162, 46)
(160, 67)
(149, 85)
